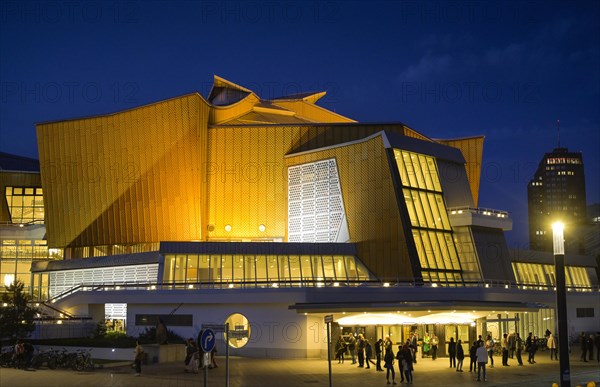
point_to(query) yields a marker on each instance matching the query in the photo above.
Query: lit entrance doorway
(399, 334)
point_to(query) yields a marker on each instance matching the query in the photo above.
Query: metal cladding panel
(371, 207)
(493, 254)
(125, 178)
(15, 179)
(472, 150)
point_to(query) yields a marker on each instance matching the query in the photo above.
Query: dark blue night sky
(507, 70)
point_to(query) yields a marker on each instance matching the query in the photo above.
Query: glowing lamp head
(558, 237)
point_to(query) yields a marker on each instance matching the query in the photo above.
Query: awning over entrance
(347, 314)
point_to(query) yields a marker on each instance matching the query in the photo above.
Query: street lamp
(561, 303)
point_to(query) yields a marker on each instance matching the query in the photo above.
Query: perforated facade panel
(315, 206)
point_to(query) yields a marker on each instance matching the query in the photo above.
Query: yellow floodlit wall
(472, 150)
(126, 178)
(247, 175)
(371, 207)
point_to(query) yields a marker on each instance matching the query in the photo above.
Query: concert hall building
(272, 214)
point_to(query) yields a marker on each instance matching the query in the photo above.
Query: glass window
(204, 271)
(305, 262)
(329, 270)
(261, 268)
(180, 262)
(273, 268)
(169, 265)
(226, 268)
(317, 266)
(238, 268)
(351, 268)
(340, 268)
(295, 270)
(284, 268)
(238, 323)
(192, 268)
(250, 268)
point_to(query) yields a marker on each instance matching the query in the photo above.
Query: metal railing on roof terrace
(168, 286)
(478, 210)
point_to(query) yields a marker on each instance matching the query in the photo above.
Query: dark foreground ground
(287, 373)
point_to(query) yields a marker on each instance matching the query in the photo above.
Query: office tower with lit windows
(557, 192)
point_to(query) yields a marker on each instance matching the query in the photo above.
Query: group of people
(192, 357)
(587, 343)
(361, 351)
(23, 354)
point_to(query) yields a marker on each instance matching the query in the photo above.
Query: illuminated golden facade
(215, 170)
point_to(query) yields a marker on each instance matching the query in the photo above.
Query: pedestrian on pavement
(482, 359)
(473, 357)
(489, 345)
(408, 363)
(460, 356)
(584, 346)
(360, 346)
(368, 354)
(504, 345)
(139, 353)
(434, 346)
(378, 351)
(519, 348)
(552, 347)
(452, 352)
(352, 348)
(389, 365)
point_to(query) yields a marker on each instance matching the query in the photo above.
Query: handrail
(479, 210)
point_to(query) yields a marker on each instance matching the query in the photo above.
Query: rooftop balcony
(483, 217)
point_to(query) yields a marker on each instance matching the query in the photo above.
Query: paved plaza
(287, 373)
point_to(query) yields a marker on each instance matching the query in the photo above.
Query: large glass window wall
(430, 225)
(16, 256)
(264, 270)
(541, 275)
(25, 204)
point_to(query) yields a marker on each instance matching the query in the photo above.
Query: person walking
(512, 344)
(340, 348)
(414, 344)
(533, 348)
(360, 346)
(408, 363)
(139, 353)
(482, 359)
(584, 346)
(426, 345)
(504, 345)
(368, 354)
(452, 352)
(389, 365)
(552, 347)
(401, 362)
(528, 347)
(191, 356)
(378, 350)
(434, 346)
(489, 345)
(590, 346)
(460, 356)
(352, 348)
(473, 357)
(519, 348)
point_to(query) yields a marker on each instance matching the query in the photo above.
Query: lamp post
(561, 303)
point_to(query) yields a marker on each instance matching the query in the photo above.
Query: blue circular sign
(207, 340)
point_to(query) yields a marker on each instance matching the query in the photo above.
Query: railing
(291, 284)
(478, 210)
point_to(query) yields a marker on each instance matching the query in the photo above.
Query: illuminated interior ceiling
(416, 317)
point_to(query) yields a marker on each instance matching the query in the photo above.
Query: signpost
(328, 320)
(207, 341)
(225, 329)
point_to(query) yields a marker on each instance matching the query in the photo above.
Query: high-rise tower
(557, 192)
